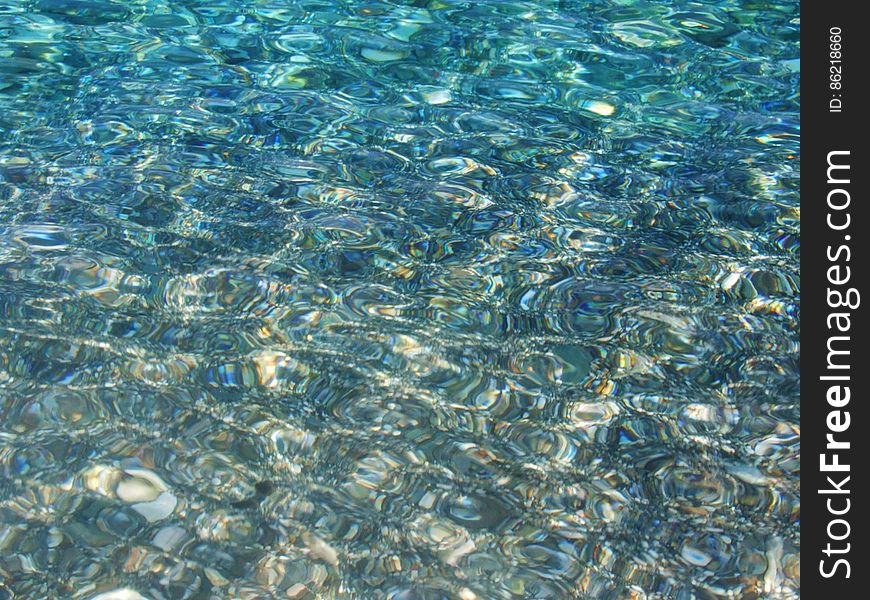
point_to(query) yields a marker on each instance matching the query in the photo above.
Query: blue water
(407, 300)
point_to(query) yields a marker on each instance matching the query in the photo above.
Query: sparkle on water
(411, 300)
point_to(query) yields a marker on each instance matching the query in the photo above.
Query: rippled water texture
(422, 300)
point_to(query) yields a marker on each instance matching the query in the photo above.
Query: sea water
(409, 300)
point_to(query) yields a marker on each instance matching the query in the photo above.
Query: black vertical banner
(836, 442)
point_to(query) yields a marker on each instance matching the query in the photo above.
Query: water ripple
(439, 299)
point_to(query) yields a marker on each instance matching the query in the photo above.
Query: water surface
(407, 300)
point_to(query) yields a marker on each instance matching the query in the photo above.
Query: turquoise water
(408, 300)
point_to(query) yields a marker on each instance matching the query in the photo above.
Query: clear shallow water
(399, 300)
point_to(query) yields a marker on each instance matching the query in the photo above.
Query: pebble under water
(435, 299)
